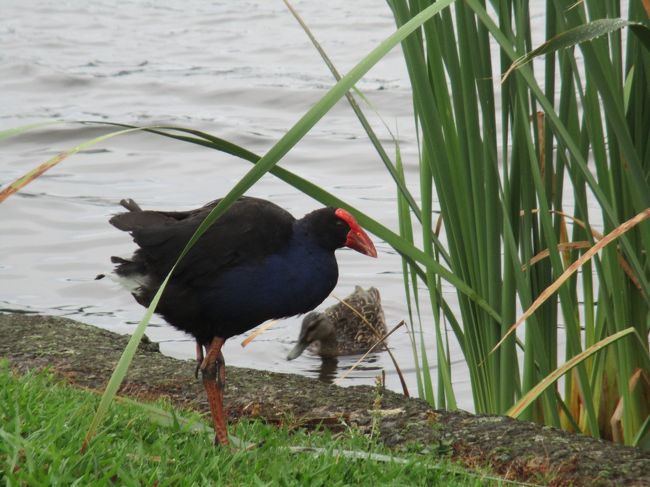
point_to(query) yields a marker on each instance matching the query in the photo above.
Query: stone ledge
(85, 356)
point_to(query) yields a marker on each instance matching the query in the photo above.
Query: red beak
(357, 239)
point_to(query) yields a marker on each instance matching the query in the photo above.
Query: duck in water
(340, 329)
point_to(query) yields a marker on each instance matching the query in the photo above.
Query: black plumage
(256, 262)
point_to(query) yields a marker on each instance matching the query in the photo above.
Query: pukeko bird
(255, 263)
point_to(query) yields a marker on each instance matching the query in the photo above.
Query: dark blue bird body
(290, 282)
(255, 263)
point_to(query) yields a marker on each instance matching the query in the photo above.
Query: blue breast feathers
(288, 283)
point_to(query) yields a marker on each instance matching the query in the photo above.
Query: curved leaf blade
(580, 34)
(23, 181)
(537, 391)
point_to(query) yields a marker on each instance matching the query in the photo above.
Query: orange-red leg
(213, 371)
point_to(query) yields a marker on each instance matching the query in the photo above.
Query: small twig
(405, 389)
(260, 329)
(380, 341)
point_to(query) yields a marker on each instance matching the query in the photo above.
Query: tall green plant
(509, 163)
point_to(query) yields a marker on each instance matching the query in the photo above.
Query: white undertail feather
(131, 283)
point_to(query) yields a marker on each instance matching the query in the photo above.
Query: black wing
(250, 229)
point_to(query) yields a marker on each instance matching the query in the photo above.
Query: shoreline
(84, 355)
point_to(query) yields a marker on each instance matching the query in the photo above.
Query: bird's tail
(130, 205)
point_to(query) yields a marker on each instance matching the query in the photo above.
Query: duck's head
(315, 326)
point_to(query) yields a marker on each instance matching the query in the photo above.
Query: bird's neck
(328, 346)
(306, 231)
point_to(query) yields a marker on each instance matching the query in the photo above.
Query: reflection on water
(327, 370)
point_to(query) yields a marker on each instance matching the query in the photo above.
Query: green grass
(43, 422)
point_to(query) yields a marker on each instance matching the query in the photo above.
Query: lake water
(243, 71)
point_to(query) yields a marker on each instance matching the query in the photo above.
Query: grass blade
(12, 132)
(578, 35)
(606, 240)
(49, 164)
(536, 391)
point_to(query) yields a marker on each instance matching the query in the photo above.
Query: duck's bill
(297, 350)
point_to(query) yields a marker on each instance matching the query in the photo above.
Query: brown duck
(339, 330)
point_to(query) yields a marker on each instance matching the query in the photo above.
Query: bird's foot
(221, 440)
